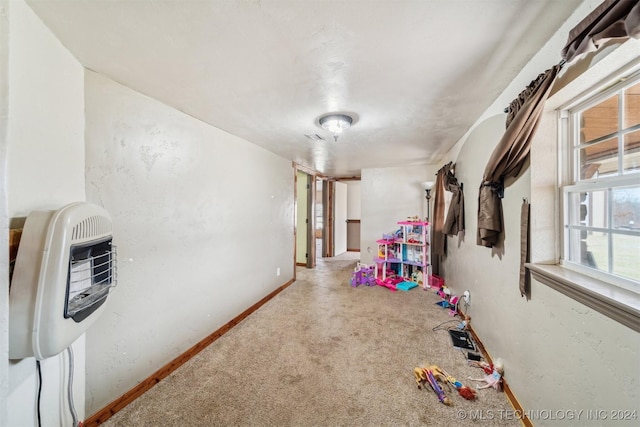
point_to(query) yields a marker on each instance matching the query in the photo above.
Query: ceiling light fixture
(335, 123)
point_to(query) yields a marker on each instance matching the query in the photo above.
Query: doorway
(305, 218)
(319, 221)
(331, 218)
(327, 217)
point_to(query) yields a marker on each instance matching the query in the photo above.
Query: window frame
(571, 182)
(548, 156)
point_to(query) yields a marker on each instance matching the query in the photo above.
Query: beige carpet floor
(322, 353)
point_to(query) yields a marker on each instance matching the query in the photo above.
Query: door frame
(328, 188)
(309, 228)
(328, 213)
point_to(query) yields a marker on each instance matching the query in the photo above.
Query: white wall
(202, 220)
(4, 217)
(354, 199)
(354, 211)
(340, 218)
(45, 170)
(559, 354)
(390, 195)
(46, 126)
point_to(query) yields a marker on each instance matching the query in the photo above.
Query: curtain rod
(561, 64)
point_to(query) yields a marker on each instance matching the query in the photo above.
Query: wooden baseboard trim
(517, 407)
(301, 264)
(353, 250)
(14, 243)
(118, 404)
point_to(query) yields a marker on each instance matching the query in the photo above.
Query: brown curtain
(613, 19)
(510, 154)
(438, 239)
(454, 223)
(525, 278)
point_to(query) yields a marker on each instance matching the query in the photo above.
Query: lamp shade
(428, 185)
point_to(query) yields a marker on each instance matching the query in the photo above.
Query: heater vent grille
(314, 137)
(92, 272)
(91, 227)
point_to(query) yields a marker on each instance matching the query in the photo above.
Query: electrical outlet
(278, 271)
(466, 297)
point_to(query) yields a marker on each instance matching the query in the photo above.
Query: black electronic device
(461, 339)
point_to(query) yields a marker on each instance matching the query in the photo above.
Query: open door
(340, 218)
(311, 221)
(305, 219)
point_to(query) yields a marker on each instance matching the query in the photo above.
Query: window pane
(626, 208)
(631, 156)
(589, 249)
(632, 106)
(598, 160)
(597, 209)
(626, 252)
(588, 209)
(577, 210)
(599, 120)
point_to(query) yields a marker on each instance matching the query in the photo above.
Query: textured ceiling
(416, 74)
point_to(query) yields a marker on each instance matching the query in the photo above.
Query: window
(601, 191)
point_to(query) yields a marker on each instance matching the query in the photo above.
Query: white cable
(72, 408)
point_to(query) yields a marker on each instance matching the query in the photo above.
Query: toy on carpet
(464, 391)
(418, 277)
(406, 286)
(434, 282)
(390, 282)
(445, 294)
(432, 375)
(453, 305)
(493, 377)
(448, 301)
(464, 325)
(434, 385)
(363, 275)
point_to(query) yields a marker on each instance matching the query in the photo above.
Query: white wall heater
(64, 271)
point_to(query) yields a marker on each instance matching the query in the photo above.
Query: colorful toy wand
(436, 388)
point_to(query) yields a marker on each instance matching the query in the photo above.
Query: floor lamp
(428, 185)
